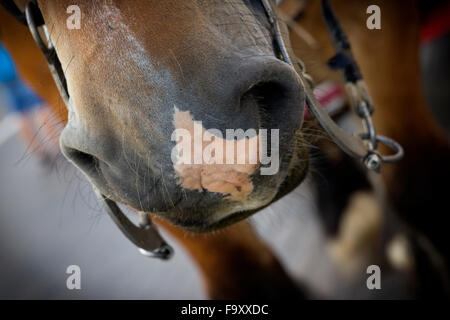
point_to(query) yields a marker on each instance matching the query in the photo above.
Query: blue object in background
(7, 68)
(20, 98)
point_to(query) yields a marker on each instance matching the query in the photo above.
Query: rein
(362, 147)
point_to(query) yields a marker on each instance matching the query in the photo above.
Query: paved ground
(50, 220)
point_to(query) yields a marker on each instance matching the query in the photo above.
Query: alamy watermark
(73, 281)
(374, 20)
(374, 280)
(238, 147)
(74, 20)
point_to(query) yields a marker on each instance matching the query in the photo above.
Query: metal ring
(368, 124)
(393, 145)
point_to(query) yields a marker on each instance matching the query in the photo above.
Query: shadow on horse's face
(137, 73)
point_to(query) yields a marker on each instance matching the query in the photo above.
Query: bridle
(363, 147)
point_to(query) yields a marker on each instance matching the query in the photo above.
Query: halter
(362, 147)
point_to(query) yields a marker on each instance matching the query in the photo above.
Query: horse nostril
(274, 89)
(269, 95)
(85, 161)
(274, 102)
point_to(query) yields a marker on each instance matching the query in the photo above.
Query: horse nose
(135, 168)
